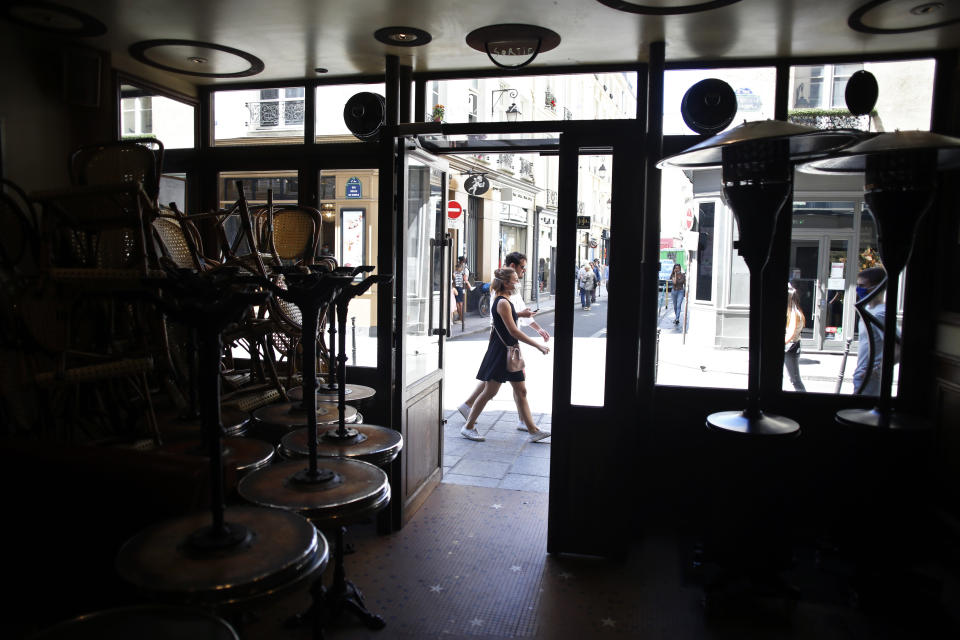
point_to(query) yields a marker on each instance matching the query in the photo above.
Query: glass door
(819, 271)
(423, 316)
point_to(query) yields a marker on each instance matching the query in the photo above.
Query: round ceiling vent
(903, 16)
(193, 58)
(54, 18)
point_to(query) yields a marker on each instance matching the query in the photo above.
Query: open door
(423, 318)
(596, 348)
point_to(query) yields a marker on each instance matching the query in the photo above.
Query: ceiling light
(197, 60)
(402, 36)
(513, 42)
(926, 8)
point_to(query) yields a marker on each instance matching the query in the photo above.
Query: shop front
(833, 237)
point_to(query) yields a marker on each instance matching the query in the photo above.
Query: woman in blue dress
(493, 370)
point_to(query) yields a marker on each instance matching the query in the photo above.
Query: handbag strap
(498, 333)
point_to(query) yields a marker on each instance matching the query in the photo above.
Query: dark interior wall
(40, 125)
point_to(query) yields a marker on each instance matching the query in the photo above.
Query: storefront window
(705, 251)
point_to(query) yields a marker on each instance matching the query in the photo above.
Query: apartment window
(473, 103)
(277, 108)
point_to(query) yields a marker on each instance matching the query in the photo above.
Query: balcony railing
(505, 161)
(831, 119)
(268, 114)
(526, 169)
(552, 198)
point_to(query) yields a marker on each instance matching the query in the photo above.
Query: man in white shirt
(518, 262)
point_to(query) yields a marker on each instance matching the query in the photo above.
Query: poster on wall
(352, 229)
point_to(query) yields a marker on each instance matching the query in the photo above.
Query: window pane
(348, 232)
(704, 256)
(330, 102)
(285, 187)
(590, 96)
(905, 95)
(173, 188)
(755, 89)
(588, 373)
(253, 116)
(144, 113)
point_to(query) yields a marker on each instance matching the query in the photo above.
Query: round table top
(241, 454)
(352, 393)
(374, 444)
(356, 490)
(291, 415)
(283, 549)
(145, 622)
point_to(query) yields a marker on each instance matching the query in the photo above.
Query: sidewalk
(474, 323)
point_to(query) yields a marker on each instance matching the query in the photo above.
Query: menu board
(352, 231)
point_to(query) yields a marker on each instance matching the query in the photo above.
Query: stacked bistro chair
(108, 341)
(290, 235)
(267, 239)
(178, 244)
(83, 379)
(19, 255)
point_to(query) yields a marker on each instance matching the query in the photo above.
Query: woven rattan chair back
(172, 243)
(119, 162)
(296, 234)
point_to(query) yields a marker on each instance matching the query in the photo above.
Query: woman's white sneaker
(538, 436)
(471, 434)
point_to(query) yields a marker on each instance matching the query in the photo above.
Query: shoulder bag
(514, 357)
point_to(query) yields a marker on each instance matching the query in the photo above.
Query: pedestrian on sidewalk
(596, 274)
(867, 373)
(493, 370)
(518, 263)
(588, 282)
(796, 321)
(460, 275)
(678, 285)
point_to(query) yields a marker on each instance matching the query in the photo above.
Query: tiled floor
(505, 460)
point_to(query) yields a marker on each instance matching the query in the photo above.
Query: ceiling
(293, 37)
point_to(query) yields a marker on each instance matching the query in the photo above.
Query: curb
(471, 332)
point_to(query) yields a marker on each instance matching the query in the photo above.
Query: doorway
(819, 270)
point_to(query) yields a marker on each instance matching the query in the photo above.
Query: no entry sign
(454, 215)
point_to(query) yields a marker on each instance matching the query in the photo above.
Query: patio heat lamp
(757, 160)
(900, 182)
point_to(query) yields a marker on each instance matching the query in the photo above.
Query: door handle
(431, 331)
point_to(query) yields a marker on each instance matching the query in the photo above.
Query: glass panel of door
(594, 193)
(423, 270)
(820, 273)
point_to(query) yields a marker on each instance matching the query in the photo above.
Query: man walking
(518, 262)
